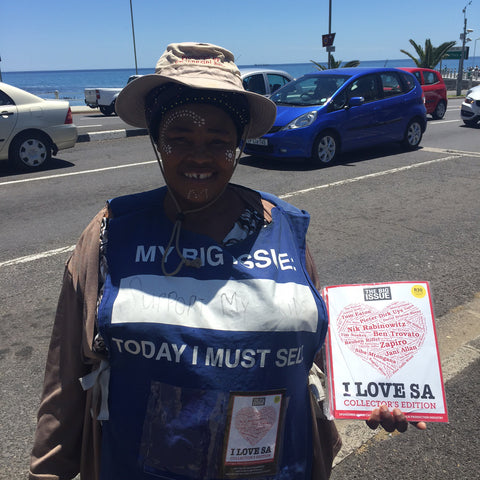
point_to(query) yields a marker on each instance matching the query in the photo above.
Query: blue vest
(208, 368)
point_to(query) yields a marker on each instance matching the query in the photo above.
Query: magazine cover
(382, 349)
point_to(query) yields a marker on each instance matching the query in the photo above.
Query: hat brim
(130, 103)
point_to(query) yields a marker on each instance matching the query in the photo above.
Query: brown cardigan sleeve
(60, 442)
(311, 268)
(326, 439)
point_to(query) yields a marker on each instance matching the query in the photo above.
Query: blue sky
(92, 34)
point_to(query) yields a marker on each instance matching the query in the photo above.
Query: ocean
(70, 84)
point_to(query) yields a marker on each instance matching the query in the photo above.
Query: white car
(470, 111)
(264, 81)
(33, 129)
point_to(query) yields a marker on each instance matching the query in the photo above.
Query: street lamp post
(133, 35)
(329, 31)
(462, 56)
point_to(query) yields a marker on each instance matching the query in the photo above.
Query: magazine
(382, 350)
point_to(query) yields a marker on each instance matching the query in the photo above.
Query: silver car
(33, 129)
(264, 81)
(470, 111)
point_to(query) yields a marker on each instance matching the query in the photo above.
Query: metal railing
(470, 73)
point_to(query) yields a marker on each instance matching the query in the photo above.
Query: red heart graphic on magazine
(385, 339)
(254, 423)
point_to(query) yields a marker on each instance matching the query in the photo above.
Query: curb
(83, 109)
(111, 134)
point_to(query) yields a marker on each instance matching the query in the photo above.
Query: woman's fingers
(391, 421)
(419, 425)
(374, 421)
(400, 421)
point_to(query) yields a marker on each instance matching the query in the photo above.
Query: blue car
(322, 114)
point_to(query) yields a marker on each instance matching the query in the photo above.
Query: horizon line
(150, 68)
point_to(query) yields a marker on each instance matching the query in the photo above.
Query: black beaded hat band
(170, 95)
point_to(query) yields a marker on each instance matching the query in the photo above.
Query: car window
(339, 101)
(276, 81)
(366, 87)
(255, 83)
(430, 78)
(408, 83)
(309, 90)
(418, 76)
(132, 78)
(391, 84)
(292, 93)
(5, 99)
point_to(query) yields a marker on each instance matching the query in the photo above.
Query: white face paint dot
(230, 155)
(173, 115)
(198, 194)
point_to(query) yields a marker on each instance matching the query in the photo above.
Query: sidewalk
(453, 94)
(105, 134)
(84, 109)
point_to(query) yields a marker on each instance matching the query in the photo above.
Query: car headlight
(469, 100)
(302, 121)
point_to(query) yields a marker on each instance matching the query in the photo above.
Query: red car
(434, 90)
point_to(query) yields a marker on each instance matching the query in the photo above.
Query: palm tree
(337, 64)
(429, 56)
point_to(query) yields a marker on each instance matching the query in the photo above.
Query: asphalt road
(379, 215)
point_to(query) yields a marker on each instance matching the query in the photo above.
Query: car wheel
(413, 135)
(325, 148)
(107, 109)
(30, 151)
(439, 111)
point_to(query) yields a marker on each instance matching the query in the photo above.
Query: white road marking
(439, 122)
(36, 256)
(451, 150)
(96, 170)
(370, 175)
(62, 250)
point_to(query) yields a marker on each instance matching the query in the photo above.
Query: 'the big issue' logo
(377, 293)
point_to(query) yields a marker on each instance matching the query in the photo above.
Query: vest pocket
(183, 432)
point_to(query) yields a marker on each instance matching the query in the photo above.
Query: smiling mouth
(199, 176)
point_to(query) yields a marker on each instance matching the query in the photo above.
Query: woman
(190, 313)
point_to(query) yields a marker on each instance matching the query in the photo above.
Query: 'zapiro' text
(213, 256)
(210, 356)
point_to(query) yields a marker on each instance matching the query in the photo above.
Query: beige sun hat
(197, 65)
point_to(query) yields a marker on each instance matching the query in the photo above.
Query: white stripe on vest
(237, 305)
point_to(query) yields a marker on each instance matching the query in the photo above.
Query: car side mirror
(355, 102)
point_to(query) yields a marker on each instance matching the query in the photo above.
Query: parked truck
(104, 98)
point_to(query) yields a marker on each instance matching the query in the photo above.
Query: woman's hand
(391, 421)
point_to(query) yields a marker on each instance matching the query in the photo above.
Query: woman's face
(197, 143)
